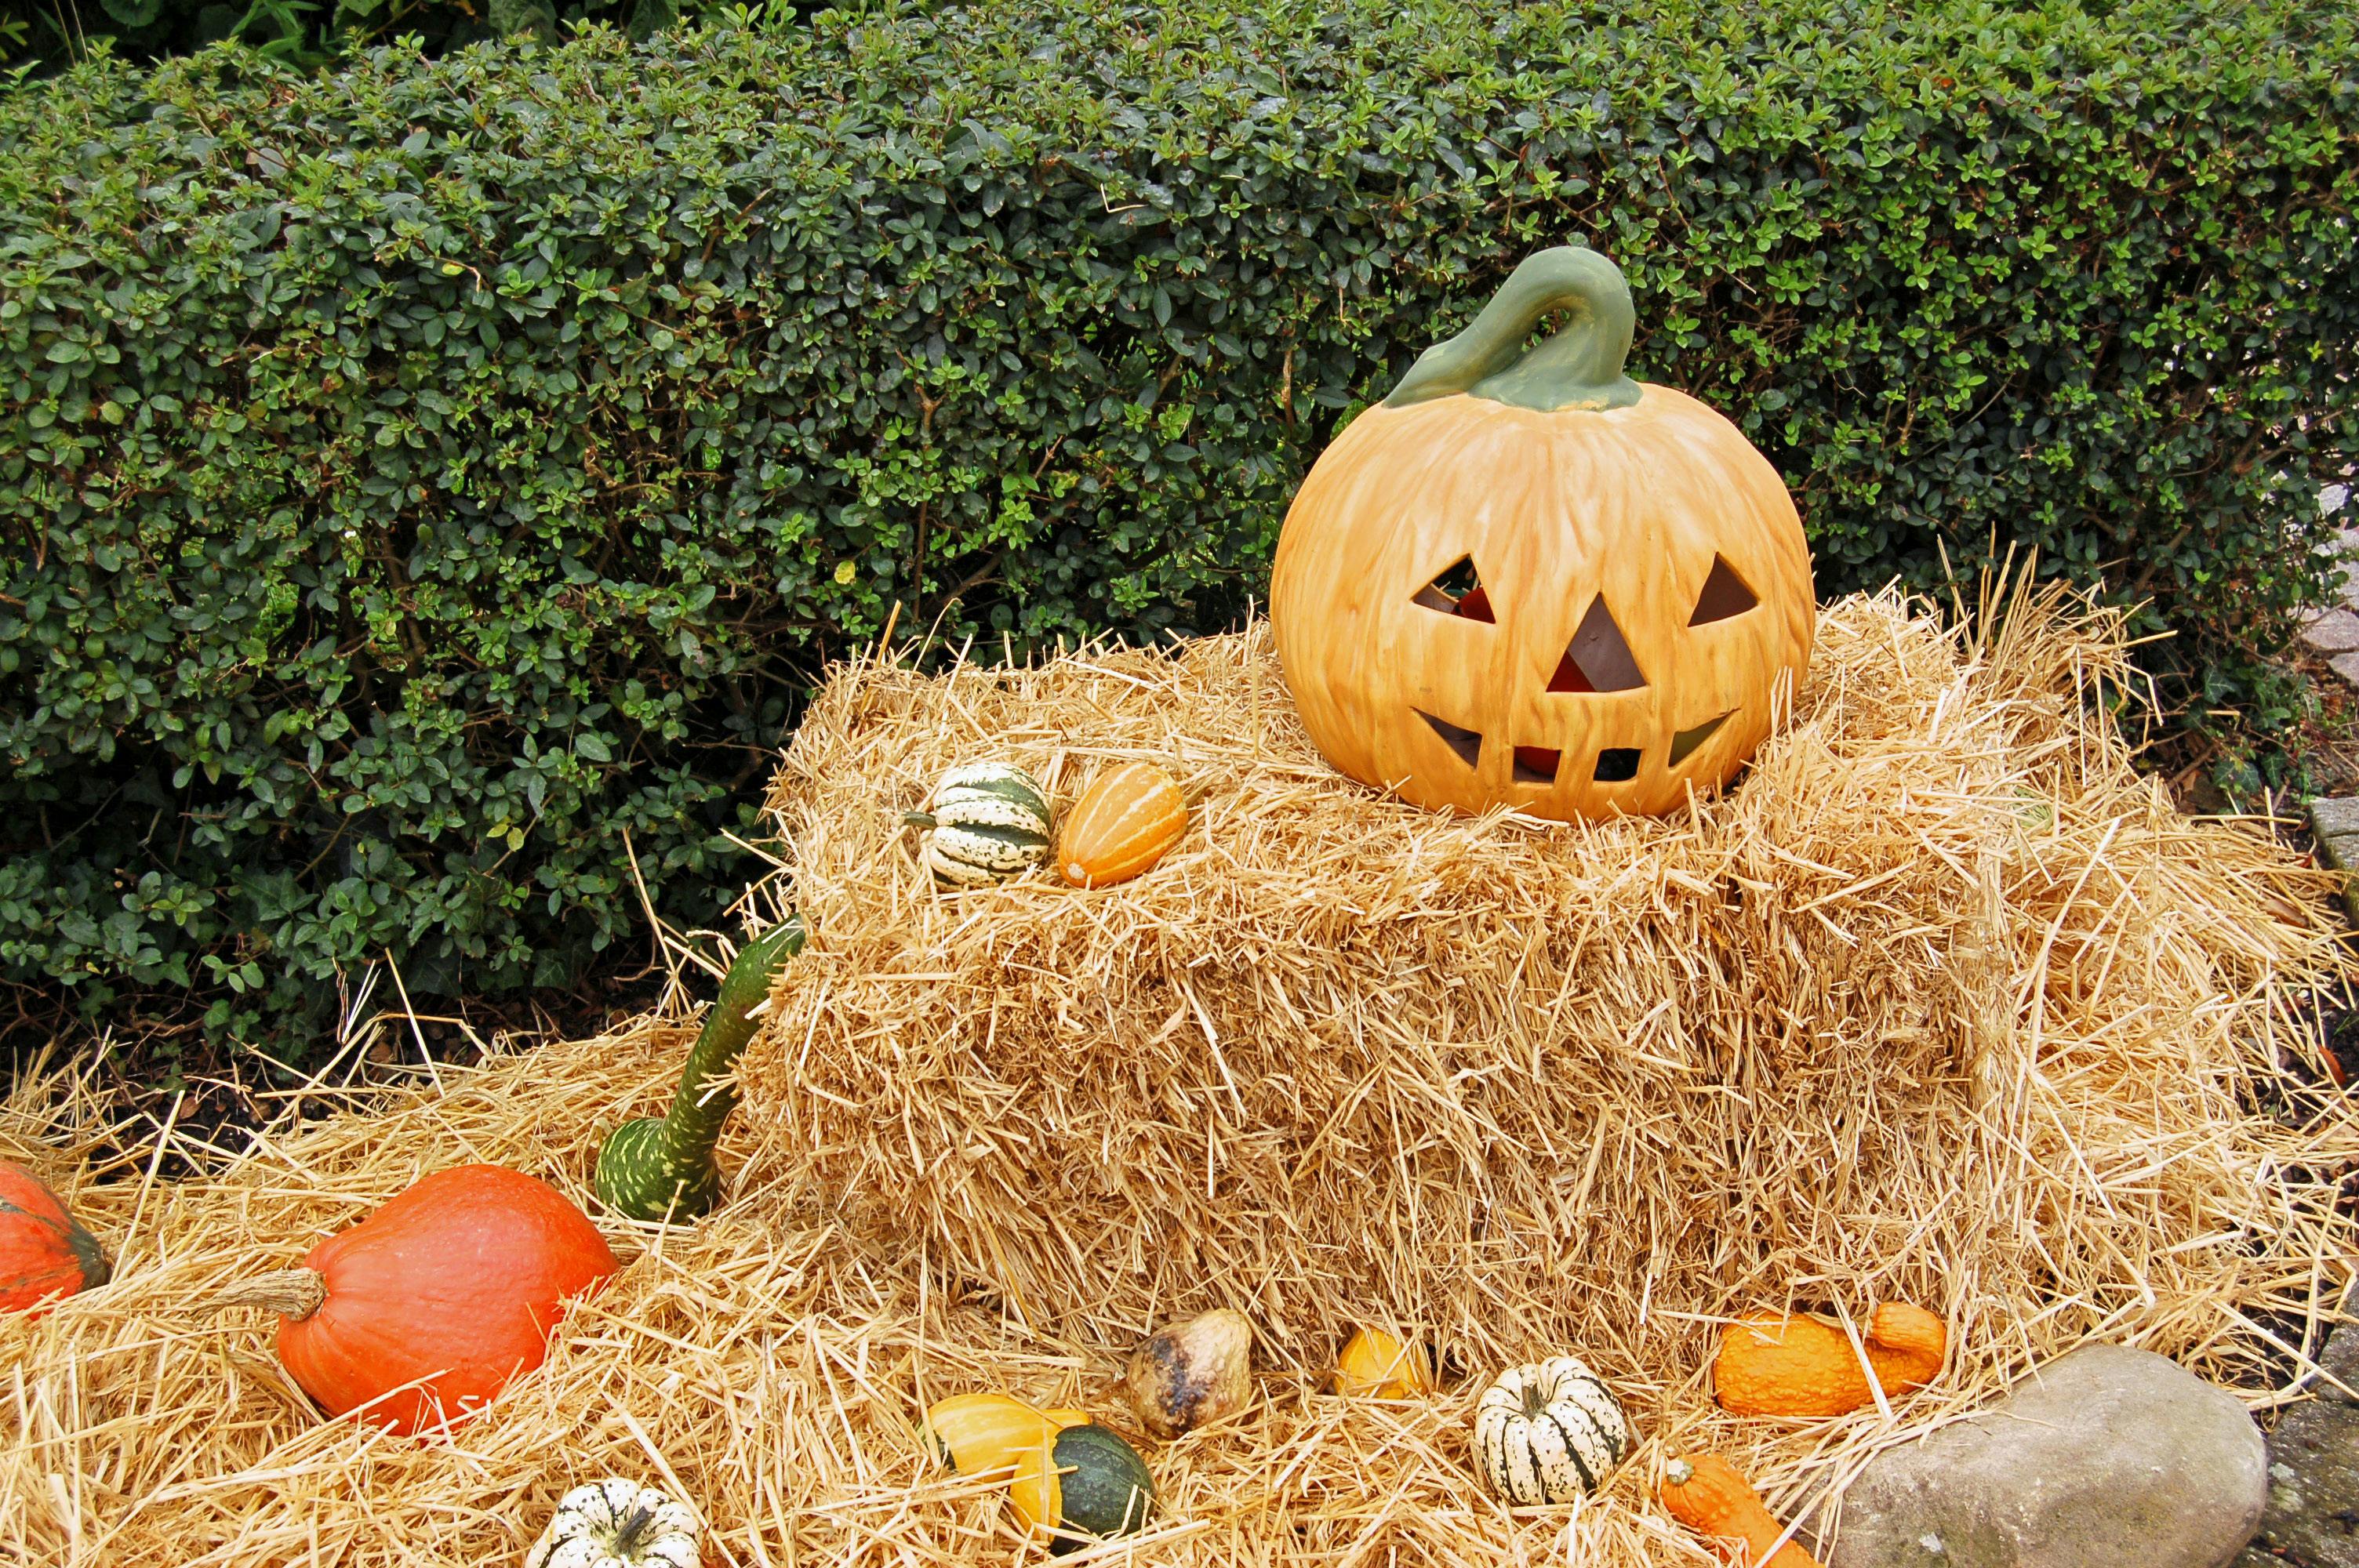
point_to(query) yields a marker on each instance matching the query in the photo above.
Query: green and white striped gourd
(617, 1523)
(1548, 1432)
(988, 820)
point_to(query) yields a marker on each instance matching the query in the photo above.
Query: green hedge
(49, 36)
(413, 477)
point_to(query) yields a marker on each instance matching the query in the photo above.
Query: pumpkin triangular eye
(1465, 742)
(1725, 594)
(1457, 591)
(1598, 659)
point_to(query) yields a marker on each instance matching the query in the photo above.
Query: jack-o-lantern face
(1525, 580)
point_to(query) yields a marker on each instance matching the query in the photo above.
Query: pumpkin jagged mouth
(1685, 744)
(1541, 766)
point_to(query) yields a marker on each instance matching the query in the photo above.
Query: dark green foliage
(49, 34)
(413, 477)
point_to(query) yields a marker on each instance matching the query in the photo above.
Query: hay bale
(1945, 1003)
(2055, 1128)
(772, 1372)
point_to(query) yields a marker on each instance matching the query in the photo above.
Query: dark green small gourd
(1105, 1489)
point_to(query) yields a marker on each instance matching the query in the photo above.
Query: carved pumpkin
(1525, 580)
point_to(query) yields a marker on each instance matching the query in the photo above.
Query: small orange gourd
(1705, 1493)
(1770, 1364)
(1376, 1365)
(1123, 824)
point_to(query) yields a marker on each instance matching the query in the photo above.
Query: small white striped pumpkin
(617, 1523)
(986, 821)
(1548, 1432)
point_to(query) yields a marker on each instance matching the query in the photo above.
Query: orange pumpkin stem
(294, 1293)
(1774, 1365)
(1711, 1496)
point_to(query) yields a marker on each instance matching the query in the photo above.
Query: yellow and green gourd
(988, 821)
(1076, 1481)
(662, 1167)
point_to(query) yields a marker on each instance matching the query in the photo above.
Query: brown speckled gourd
(1192, 1373)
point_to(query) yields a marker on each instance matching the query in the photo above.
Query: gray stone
(2104, 1458)
(2346, 545)
(2331, 631)
(2313, 1514)
(2334, 823)
(2346, 666)
(2334, 819)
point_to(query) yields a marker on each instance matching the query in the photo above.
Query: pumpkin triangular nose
(1598, 659)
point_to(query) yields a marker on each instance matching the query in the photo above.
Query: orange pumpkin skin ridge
(455, 1285)
(1770, 1365)
(1125, 821)
(45, 1254)
(1716, 1500)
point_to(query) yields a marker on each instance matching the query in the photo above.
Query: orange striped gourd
(1123, 824)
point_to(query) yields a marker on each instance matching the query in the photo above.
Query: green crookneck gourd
(662, 1167)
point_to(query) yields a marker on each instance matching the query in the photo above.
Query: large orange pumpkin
(451, 1288)
(45, 1254)
(1525, 580)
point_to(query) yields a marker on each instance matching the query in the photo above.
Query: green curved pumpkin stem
(1580, 367)
(660, 1167)
(627, 1535)
(89, 1256)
